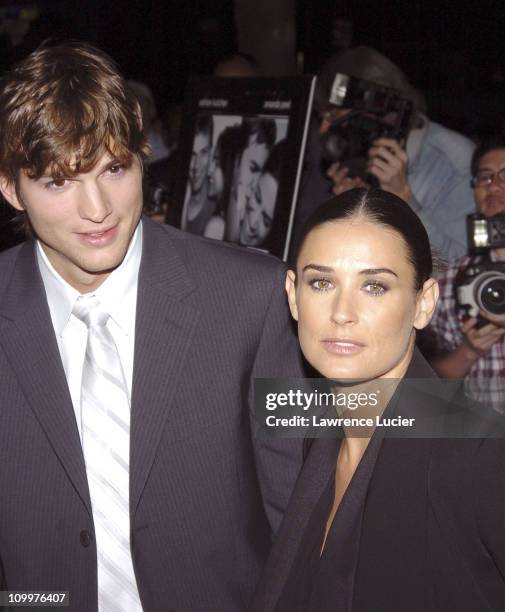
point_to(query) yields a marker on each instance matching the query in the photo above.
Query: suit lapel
(165, 322)
(317, 470)
(28, 340)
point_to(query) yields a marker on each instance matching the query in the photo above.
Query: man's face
(490, 198)
(85, 222)
(200, 157)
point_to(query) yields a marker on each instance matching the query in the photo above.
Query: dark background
(453, 51)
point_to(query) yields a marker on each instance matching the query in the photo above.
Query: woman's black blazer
(433, 531)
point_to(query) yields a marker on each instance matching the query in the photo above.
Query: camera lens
(491, 294)
(335, 145)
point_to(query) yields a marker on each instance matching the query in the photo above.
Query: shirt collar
(117, 294)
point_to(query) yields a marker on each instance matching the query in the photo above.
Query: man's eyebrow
(110, 162)
(378, 271)
(52, 177)
(488, 169)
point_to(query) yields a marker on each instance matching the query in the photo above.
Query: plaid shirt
(485, 381)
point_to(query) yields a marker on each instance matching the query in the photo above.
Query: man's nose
(344, 308)
(496, 185)
(93, 204)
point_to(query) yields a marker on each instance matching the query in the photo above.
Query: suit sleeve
(278, 460)
(490, 499)
(3, 585)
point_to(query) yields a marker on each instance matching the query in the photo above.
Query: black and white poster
(242, 147)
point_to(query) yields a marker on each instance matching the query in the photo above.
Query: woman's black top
(325, 583)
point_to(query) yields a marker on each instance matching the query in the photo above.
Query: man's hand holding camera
(480, 339)
(496, 319)
(386, 160)
(339, 174)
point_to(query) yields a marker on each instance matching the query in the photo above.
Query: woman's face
(215, 174)
(355, 300)
(259, 211)
(247, 170)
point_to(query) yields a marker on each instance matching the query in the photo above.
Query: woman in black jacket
(380, 521)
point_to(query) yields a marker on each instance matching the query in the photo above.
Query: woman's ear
(426, 303)
(291, 291)
(8, 190)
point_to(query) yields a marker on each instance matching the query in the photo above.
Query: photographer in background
(473, 347)
(429, 170)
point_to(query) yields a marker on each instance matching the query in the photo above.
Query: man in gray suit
(129, 474)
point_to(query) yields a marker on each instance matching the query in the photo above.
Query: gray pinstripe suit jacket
(205, 494)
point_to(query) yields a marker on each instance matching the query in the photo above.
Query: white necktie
(105, 419)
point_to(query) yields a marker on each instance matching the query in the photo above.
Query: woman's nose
(253, 212)
(344, 308)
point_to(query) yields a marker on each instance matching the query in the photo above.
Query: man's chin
(495, 207)
(105, 264)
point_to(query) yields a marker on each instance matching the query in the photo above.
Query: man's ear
(426, 303)
(8, 190)
(291, 291)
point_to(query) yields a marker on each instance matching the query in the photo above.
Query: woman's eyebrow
(367, 271)
(317, 268)
(378, 271)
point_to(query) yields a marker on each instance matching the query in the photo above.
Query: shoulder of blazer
(203, 251)
(419, 367)
(8, 261)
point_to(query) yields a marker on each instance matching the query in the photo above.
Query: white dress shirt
(118, 297)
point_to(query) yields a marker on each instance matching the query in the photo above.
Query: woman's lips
(98, 239)
(338, 346)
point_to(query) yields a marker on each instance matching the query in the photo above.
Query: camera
(481, 286)
(376, 111)
(484, 233)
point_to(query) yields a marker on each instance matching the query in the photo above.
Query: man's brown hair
(62, 108)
